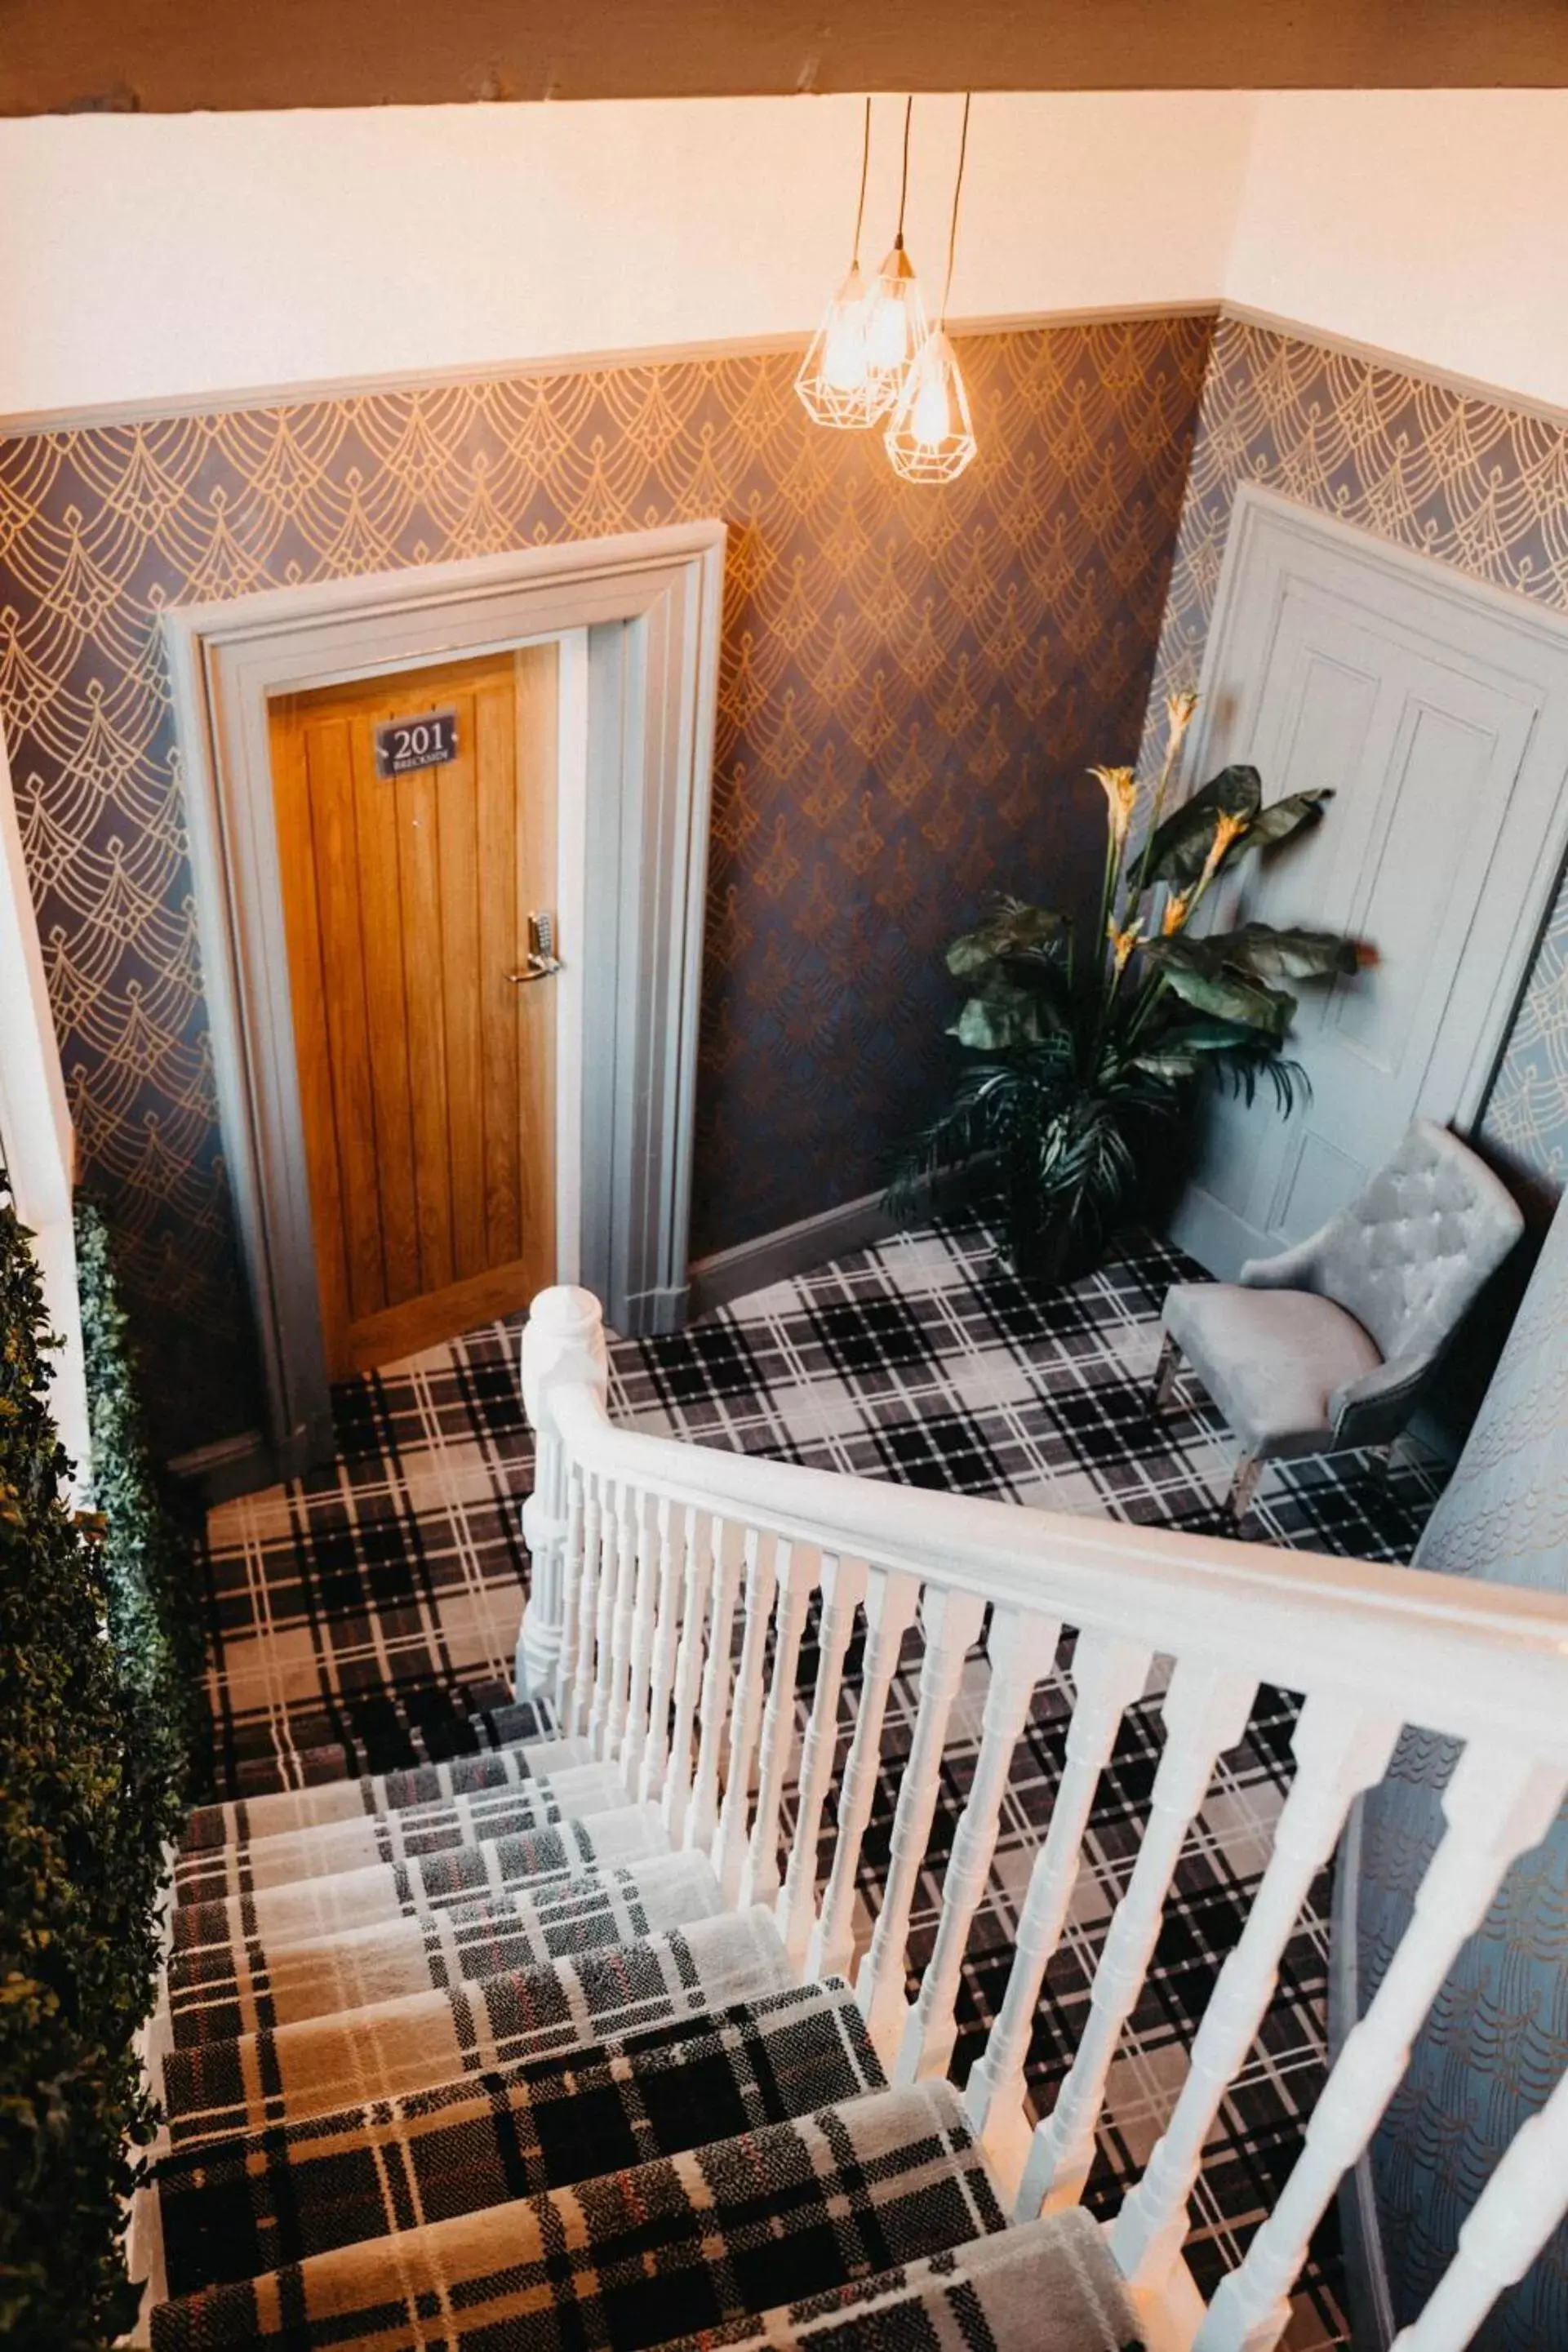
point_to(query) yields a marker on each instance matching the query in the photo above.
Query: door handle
(541, 962)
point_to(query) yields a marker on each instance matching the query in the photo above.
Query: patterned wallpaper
(913, 681)
(1477, 485)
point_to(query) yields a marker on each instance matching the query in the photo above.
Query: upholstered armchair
(1332, 1343)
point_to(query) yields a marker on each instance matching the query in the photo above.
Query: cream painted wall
(144, 257)
(1429, 223)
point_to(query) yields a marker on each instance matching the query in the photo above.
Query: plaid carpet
(233, 2208)
(636, 2256)
(364, 1620)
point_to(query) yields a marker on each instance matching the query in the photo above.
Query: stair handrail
(1468, 1657)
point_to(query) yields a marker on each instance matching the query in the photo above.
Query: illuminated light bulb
(895, 321)
(930, 436)
(835, 382)
(930, 418)
(843, 340)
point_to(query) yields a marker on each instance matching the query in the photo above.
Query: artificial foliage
(89, 1773)
(154, 1621)
(1078, 1054)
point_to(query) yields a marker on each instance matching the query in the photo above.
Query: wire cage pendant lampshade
(930, 436)
(835, 382)
(895, 323)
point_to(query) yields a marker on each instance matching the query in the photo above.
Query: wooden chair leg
(1244, 1486)
(1164, 1376)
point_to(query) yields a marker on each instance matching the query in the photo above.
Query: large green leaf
(1262, 953)
(1226, 994)
(1184, 1036)
(1183, 842)
(1002, 1019)
(1014, 931)
(1281, 819)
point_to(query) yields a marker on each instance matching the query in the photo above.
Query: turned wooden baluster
(890, 1601)
(949, 1622)
(650, 1781)
(1339, 1752)
(629, 1546)
(844, 1586)
(644, 1622)
(580, 1697)
(1021, 1647)
(800, 1566)
(702, 1814)
(1108, 1674)
(1206, 1711)
(604, 1616)
(764, 1559)
(1497, 1805)
(1509, 2223)
(572, 1563)
(697, 1571)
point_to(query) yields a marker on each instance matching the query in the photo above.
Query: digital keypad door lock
(542, 961)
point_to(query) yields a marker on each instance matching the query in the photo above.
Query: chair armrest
(1294, 1269)
(1374, 1408)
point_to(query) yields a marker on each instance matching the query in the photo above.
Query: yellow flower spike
(1175, 913)
(1227, 829)
(1121, 792)
(1179, 708)
(1123, 943)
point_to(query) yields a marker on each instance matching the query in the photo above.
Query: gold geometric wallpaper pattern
(1473, 483)
(913, 681)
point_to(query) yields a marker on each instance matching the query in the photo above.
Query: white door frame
(1522, 882)
(648, 606)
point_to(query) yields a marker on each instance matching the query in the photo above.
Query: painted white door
(1438, 712)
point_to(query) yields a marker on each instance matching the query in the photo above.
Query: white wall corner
(36, 1138)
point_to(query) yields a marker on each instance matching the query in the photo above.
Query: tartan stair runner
(463, 2054)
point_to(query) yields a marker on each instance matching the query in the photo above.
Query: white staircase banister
(1112, 1614)
(1466, 1657)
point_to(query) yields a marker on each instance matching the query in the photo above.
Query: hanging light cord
(957, 190)
(904, 182)
(865, 167)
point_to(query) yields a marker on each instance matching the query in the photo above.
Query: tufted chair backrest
(1410, 1253)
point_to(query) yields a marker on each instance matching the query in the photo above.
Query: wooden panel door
(426, 1071)
(1442, 730)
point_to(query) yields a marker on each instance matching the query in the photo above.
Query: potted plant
(1076, 1055)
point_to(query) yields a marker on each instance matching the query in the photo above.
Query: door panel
(427, 1075)
(1443, 731)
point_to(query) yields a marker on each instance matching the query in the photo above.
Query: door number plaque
(403, 745)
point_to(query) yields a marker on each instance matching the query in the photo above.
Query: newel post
(563, 1347)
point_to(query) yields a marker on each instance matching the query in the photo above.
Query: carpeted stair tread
(310, 1908)
(216, 1991)
(233, 2209)
(211, 1827)
(258, 2080)
(637, 2257)
(405, 1724)
(327, 1849)
(1045, 2286)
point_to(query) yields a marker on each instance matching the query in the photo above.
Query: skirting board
(788, 1250)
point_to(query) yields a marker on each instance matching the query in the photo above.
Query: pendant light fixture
(835, 382)
(930, 436)
(895, 308)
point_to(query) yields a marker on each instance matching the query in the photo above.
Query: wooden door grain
(427, 1074)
